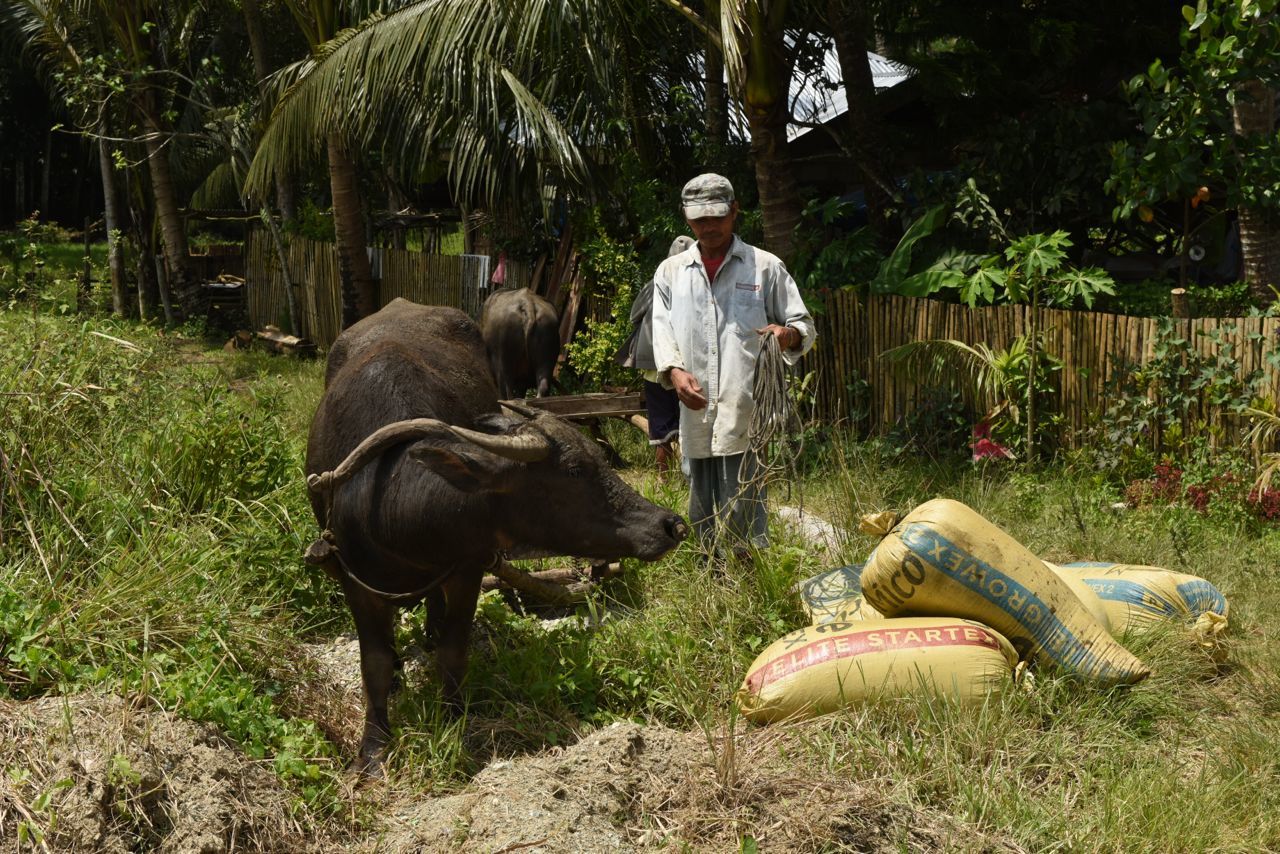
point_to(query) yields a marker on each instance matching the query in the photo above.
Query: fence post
(1179, 302)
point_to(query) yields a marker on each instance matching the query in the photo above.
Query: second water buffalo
(522, 336)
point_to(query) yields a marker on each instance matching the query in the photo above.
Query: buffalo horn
(525, 449)
(528, 448)
(373, 445)
(519, 408)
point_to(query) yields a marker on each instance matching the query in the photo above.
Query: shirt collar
(737, 249)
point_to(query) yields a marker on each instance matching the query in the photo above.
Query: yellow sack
(1088, 598)
(835, 596)
(819, 669)
(944, 559)
(1139, 597)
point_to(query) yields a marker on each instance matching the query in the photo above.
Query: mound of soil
(645, 788)
(104, 774)
(98, 773)
(583, 798)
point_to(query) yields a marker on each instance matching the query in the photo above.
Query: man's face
(714, 233)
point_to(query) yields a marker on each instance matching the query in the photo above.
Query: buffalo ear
(464, 466)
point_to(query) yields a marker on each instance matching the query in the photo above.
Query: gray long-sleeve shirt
(708, 329)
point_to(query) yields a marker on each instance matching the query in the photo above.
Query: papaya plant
(1032, 269)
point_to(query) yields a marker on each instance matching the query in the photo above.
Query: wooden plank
(588, 405)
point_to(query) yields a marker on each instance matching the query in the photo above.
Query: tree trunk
(19, 190)
(717, 102)
(1254, 114)
(851, 27)
(258, 47)
(780, 204)
(111, 217)
(142, 220)
(397, 202)
(44, 173)
(172, 229)
(1033, 366)
(359, 295)
(764, 100)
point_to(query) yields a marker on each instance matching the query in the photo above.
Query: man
(660, 402)
(713, 303)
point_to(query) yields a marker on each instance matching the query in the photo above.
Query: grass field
(153, 515)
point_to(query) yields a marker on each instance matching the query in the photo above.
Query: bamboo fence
(460, 281)
(853, 383)
(1096, 350)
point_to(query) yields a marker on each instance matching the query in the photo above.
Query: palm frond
(220, 188)
(1265, 431)
(734, 33)
(498, 88)
(951, 363)
(1262, 438)
(46, 33)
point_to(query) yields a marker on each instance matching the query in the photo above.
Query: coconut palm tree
(515, 98)
(1253, 113)
(253, 24)
(320, 21)
(990, 376)
(1263, 437)
(517, 95)
(146, 36)
(851, 28)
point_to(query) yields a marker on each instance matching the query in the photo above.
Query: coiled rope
(775, 433)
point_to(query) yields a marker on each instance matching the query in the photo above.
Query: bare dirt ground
(99, 773)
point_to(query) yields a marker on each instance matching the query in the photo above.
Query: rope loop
(774, 420)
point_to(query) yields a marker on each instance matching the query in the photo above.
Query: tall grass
(152, 513)
(151, 524)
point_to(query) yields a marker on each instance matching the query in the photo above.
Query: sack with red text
(819, 669)
(944, 559)
(835, 596)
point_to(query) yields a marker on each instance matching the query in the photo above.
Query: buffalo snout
(673, 530)
(676, 528)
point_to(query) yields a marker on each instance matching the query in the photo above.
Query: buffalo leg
(451, 611)
(375, 621)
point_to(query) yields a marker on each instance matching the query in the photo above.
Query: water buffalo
(522, 335)
(421, 482)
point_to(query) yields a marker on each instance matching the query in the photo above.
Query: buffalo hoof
(370, 762)
(368, 767)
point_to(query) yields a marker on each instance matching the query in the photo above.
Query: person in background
(662, 407)
(713, 304)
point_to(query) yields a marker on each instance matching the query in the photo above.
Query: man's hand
(789, 338)
(688, 389)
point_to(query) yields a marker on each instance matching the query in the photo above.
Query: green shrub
(613, 275)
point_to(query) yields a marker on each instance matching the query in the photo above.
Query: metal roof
(820, 97)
